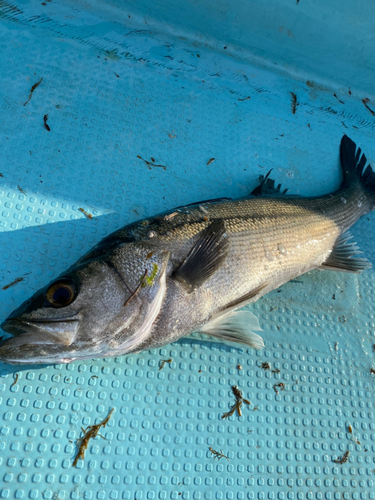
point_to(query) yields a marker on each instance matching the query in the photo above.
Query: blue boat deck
(151, 107)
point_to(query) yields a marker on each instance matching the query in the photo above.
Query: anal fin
(342, 258)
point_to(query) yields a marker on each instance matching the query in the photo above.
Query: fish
(192, 269)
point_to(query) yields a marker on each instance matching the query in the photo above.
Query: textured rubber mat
(85, 105)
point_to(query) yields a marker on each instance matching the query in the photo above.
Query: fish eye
(62, 293)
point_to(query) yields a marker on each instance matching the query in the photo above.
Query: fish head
(102, 307)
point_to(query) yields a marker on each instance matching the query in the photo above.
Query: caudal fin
(353, 164)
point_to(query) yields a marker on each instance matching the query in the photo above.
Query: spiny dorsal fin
(267, 187)
(342, 257)
(205, 258)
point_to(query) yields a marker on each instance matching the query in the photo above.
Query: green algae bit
(149, 280)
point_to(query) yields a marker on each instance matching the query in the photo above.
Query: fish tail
(353, 164)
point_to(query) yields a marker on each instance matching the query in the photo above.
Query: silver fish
(191, 269)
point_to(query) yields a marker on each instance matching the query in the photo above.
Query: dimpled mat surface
(206, 93)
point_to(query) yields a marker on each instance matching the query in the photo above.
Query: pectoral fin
(342, 257)
(205, 258)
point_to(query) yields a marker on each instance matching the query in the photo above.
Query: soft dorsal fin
(342, 257)
(205, 258)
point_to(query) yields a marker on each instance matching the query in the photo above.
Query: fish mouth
(14, 327)
(38, 340)
(20, 326)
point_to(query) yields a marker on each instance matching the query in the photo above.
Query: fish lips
(34, 339)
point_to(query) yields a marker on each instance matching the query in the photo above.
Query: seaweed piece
(90, 432)
(237, 405)
(149, 163)
(342, 459)
(45, 118)
(15, 381)
(294, 102)
(162, 363)
(218, 454)
(17, 280)
(133, 294)
(210, 161)
(32, 90)
(365, 101)
(281, 386)
(149, 280)
(265, 366)
(89, 216)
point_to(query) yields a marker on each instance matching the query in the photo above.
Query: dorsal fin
(267, 187)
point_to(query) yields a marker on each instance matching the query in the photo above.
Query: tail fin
(353, 164)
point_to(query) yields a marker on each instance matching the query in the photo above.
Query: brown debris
(218, 454)
(334, 95)
(17, 280)
(365, 101)
(90, 432)
(22, 191)
(47, 127)
(237, 405)
(281, 386)
(15, 381)
(343, 459)
(89, 216)
(32, 90)
(149, 163)
(372, 370)
(210, 161)
(244, 99)
(133, 294)
(294, 102)
(162, 363)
